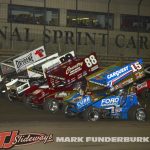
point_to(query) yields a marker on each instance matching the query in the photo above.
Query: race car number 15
(90, 61)
(136, 66)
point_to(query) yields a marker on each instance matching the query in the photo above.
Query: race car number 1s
(136, 66)
(90, 61)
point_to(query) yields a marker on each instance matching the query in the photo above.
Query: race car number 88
(90, 61)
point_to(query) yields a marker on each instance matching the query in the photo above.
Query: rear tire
(27, 101)
(91, 114)
(137, 113)
(10, 97)
(145, 95)
(51, 106)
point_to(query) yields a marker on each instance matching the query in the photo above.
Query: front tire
(68, 113)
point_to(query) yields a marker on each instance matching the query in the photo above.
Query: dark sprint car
(110, 96)
(14, 75)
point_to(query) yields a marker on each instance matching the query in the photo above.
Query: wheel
(27, 101)
(51, 105)
(140, 114)
(91, 114)
(144, 98)
(68, 112)
(10, 96)
(145, 94)
(137, 113)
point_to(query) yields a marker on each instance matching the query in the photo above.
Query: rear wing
(71, 71)
(115, 77)
(57, 61)
(19, 62)
(35, 70)
(27, 59)
(21, 83)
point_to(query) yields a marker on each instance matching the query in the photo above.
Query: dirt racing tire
(68, 114)
(27, 101)
(51, 106)
(137, 113)
(146, 95)
(91, 114)
(10, 97)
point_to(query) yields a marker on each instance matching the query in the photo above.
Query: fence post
(76, 47)
(108, 11)
(138, 31)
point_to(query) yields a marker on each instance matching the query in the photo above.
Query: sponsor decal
(10, 139)
(142, 85)
(39, 53)
(24, 61)
(139, 75)
(118, 72)
(122, 84)
(60, 95)
(74, 69)
(23, 87)
(37, 91)
(85, 101)
(110, 101)
(56, 77)
(27, 59)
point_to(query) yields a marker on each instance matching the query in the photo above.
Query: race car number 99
(90, 61)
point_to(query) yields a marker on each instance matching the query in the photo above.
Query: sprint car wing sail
(99, 77)
(114, 75)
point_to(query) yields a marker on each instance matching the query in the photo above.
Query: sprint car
(119, 106)
(103, 97)
(15, 78)
(61, 80)
(41, 88)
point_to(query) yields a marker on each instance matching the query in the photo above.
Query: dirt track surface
(15, 116)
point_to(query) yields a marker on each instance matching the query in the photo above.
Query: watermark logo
(102, 139)
(10, 139)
